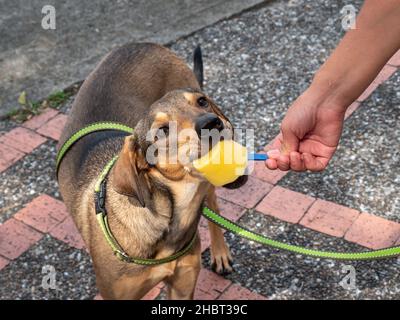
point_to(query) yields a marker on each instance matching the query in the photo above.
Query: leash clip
(100, 198)
(122, 256)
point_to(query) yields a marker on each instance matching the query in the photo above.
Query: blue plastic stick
(257, 156)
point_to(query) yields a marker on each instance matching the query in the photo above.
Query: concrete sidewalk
(41, 61)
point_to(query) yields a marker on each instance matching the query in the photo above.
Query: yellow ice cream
(225, 162)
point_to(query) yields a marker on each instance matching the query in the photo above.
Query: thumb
(290, 141)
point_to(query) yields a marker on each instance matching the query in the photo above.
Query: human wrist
(336, 90)
(325, 92)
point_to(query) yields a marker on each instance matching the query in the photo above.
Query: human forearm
(360, 55)
(313, 124)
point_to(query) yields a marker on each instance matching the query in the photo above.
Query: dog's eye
(202, 102)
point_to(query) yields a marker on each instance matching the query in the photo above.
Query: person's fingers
(283, 162)
(296, 163)
(275, 144)
(277, 141)
(314, 163)
(271, 164)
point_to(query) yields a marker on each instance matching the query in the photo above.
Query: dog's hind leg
(221, 259)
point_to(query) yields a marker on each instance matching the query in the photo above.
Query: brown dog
(153, 210)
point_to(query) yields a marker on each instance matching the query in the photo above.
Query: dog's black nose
(208, 121)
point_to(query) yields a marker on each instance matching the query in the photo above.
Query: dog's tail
(198, 66)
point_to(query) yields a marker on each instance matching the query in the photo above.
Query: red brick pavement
(329, 218)
(373, 232)
(285, 204)
(53, 128)
(43, 213)
(16, 237)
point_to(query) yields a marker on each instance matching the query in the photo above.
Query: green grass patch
(56, 99)
(27, 108)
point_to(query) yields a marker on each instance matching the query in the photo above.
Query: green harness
(101, 214)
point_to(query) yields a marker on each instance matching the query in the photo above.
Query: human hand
(310, 134)
(311, 129)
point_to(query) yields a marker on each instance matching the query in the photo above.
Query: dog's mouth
(206, 157)
(175, 153)
(240, 181)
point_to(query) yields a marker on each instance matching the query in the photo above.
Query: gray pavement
(74, 273)
(42, 61)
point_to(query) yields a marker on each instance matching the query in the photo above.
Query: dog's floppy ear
(129, 173)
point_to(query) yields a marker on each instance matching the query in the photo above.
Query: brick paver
(395, 60)
(373, 232)
(350, 110)
(330, 218)
(248, 195)
(230, 210)
(3, 262)
(285, 204)
(385, 74)
(67, 232)
(22, 139)
(210, 285)
(16, 237)
(236, 292)
(261, 172)
(201, 295)
(43, 213)
(153, 293)
(8, 156)
(204, 237)
(53, 128)
(37, 121)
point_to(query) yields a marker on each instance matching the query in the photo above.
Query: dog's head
(180, 127)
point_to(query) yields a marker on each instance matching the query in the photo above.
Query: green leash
(101, 213)
(98, 126)
(240, 231)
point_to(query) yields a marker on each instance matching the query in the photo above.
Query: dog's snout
(208, 121)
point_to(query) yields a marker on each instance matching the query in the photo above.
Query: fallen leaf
(22, 98)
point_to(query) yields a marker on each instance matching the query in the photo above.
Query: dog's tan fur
(153, 211)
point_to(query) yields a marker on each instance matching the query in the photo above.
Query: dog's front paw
(221, 260)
